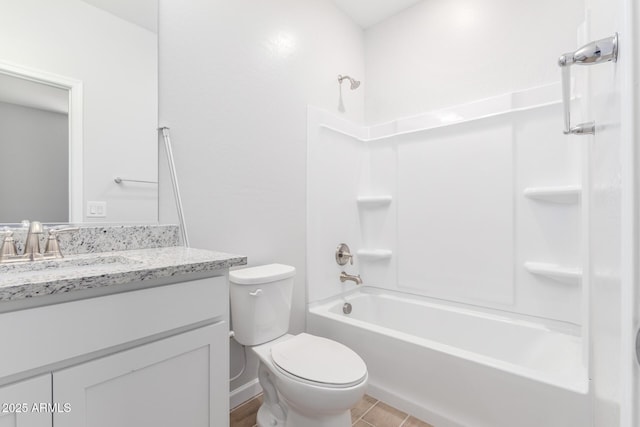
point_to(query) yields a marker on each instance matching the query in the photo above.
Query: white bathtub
(456, 366)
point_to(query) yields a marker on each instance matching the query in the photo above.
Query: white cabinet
(150, 357)
(47, 335)
(24, 403)
(177, 381)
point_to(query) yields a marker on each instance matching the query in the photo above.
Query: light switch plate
(96, 209)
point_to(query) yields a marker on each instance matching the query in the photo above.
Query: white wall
(235, 81)
(441, 53)
(34, 146)
(117, 63)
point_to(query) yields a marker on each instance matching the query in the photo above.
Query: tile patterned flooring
(369, 412)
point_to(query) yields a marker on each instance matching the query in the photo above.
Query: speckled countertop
(103, 269)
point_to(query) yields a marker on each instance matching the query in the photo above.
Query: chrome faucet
(344, 277)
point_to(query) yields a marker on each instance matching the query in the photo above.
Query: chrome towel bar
(119, 180)
(599, 51)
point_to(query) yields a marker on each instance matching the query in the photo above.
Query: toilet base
(267, 419)
(298, 420)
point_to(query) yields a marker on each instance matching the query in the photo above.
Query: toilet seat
(319, 361)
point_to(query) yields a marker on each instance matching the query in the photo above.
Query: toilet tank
(261, 302)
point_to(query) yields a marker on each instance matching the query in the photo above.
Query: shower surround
(475, 207)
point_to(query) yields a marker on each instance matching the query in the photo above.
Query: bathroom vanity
(120, 338)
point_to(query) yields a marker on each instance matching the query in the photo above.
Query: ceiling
(140, 12)
(369, 12)
(365, 13)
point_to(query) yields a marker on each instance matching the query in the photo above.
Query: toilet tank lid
(261, 274)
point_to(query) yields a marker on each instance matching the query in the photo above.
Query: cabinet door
(178, 381)
(27, 403)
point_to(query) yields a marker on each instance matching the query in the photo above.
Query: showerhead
(354, 83)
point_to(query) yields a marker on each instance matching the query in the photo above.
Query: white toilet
(308, 381)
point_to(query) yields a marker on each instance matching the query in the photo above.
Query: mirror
(99, 58)
(34, 141)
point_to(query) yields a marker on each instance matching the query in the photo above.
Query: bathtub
(456, 366)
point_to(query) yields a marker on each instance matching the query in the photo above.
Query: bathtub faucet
(344, 277)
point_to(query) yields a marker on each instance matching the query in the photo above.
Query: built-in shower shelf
(374, 254)
(571, 275)
(560, 194)
(374, 201)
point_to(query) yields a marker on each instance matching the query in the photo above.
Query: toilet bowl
(308, 381)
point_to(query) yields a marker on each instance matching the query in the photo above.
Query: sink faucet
(32, 244)
(344, 277)
(8, 251)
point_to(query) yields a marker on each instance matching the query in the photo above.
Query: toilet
(308, 381)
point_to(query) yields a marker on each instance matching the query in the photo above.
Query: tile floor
(369, 412)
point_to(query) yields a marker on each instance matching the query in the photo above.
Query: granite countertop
(98, 270)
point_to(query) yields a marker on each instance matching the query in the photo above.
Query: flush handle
(256, 293)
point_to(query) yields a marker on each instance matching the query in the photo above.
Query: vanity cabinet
(18, 400)
(157, 356)
(172, 382)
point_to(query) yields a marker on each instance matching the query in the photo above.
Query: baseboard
(418, 411)
(244, 392)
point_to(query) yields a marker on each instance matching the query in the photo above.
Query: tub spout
(344, 277)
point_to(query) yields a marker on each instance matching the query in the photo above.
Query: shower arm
(599, 51)
(354, 83)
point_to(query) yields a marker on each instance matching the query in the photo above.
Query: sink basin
(83, 263)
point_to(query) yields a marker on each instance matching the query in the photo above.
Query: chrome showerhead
(354, 83)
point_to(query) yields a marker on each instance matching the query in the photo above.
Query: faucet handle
(8, 248)
(343, 254)
(62, 229)
(52, 249)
